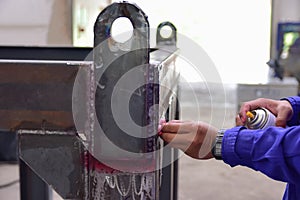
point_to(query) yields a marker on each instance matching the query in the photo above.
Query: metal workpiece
(171, 40)
(39, 93)
(128, 86)
(57, 158)
(139, 20)
(107, 49)
(45, 53)
(164, 61)
(62, 161)
(89, 129)
(163, 57)
(124, 93)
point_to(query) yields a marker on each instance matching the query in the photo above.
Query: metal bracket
(166, 41)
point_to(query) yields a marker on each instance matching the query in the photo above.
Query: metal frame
(56, 152)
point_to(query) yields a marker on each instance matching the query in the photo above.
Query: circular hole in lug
(121, 29)
(165, 32)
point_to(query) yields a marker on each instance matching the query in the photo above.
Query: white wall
(85, 13)
(35, 22)
(234, 33)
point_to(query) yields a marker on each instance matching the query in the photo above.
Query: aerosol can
(260, 118)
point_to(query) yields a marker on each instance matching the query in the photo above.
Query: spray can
(260, 118)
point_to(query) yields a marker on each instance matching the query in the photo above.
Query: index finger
(251, 105)
(176, 127)
(243, 110)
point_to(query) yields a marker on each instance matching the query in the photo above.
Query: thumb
(238, 121)
(281, 119)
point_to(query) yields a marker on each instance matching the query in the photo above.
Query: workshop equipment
(67, 112)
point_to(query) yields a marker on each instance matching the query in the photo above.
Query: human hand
(282, 109)
(194, 138)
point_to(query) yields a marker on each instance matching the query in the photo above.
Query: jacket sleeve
(274, 151)
(295, 102)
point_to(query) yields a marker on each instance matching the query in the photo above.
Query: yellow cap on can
(250, 115)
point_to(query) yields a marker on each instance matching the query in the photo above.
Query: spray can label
(260, 118)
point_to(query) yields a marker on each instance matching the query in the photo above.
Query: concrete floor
(197, 180)
(209, 179)
(10, 173)
(217, 181)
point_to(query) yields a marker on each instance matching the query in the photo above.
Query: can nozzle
(250, 115)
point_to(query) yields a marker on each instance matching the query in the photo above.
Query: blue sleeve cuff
(295, 102)
(237, 145)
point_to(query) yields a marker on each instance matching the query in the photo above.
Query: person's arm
(274, 151)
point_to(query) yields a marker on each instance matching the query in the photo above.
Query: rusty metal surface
(58, 158)
(37, 92)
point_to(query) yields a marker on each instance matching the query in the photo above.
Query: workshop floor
(197, 179)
